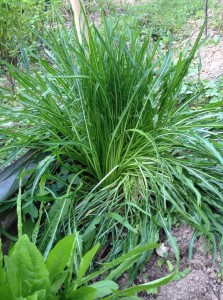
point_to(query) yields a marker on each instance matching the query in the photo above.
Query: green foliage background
(17, 19)
(123, 145)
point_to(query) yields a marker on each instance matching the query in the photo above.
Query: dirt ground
(212, 57)
(204, 278)
(211, 53)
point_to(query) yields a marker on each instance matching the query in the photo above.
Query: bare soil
(204, 281)
(212, 58)
(211, 53)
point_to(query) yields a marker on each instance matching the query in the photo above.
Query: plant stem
(79, 17)
(206, 17)
(19, 209)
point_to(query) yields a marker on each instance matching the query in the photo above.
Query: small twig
(8, 75)
(206, 18)
(11, 82)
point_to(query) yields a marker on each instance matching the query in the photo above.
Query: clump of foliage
(25, 275)
(151, 16)
(108, 115)
(211, 91)
(17, 20)
(176, 15)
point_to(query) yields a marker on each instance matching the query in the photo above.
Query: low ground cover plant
(152, 17)
(123, 155)
(25, 274)
(17, 19)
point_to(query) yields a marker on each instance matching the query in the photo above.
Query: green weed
(137, 154)
(26, 275)
(151, 15)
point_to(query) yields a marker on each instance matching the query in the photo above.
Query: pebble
(208, 270)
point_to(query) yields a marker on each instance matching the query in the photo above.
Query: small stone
(140, 280)
(162, 250)
(208, 270)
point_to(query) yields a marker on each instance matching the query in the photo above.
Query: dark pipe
(9, 182)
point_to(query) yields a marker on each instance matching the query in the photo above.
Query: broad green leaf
(14, 278)
(143, 287)
(32, 297)
(104, 287)
(85, 263)
(91, 227)
(59, 280)
(39, 295)
(59, 256)
(83, 293)
(25, 269)
(5, 292)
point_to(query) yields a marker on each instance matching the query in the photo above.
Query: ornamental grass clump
(110, 109)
